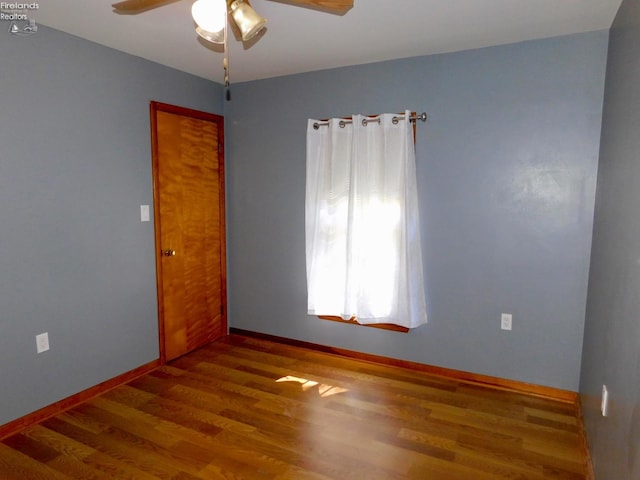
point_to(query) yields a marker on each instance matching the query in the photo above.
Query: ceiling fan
(213, 16)
(339, 7)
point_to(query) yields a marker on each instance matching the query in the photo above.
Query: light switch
(144, 213)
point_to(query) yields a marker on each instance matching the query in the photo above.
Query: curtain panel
(363, 248)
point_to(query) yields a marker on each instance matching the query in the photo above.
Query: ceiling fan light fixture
(213, 37)
(210, 17)
(248, 21)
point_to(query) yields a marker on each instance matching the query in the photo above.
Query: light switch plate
(144, 213)
(604, 402)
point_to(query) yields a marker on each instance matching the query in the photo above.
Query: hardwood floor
(245, 408)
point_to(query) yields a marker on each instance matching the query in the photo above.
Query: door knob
(168, 253)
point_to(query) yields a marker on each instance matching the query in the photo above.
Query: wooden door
(188, 172)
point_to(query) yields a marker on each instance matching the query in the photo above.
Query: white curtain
(363, 247)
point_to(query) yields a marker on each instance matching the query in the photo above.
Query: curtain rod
(365, 121)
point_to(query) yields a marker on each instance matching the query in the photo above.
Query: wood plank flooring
(245, 408)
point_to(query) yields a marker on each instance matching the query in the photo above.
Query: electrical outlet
(604, 402)
(42, 342)
(505, 321)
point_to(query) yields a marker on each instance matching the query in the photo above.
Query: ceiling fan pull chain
(225, 63)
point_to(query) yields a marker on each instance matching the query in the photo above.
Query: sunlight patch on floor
(323, 390)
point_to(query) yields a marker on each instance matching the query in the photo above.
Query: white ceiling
(300, 40)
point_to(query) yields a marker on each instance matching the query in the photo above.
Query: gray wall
(612, 328)
(506, 164)
(75, 166)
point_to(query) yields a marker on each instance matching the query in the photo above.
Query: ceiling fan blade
(339, 7)
(138, 6)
